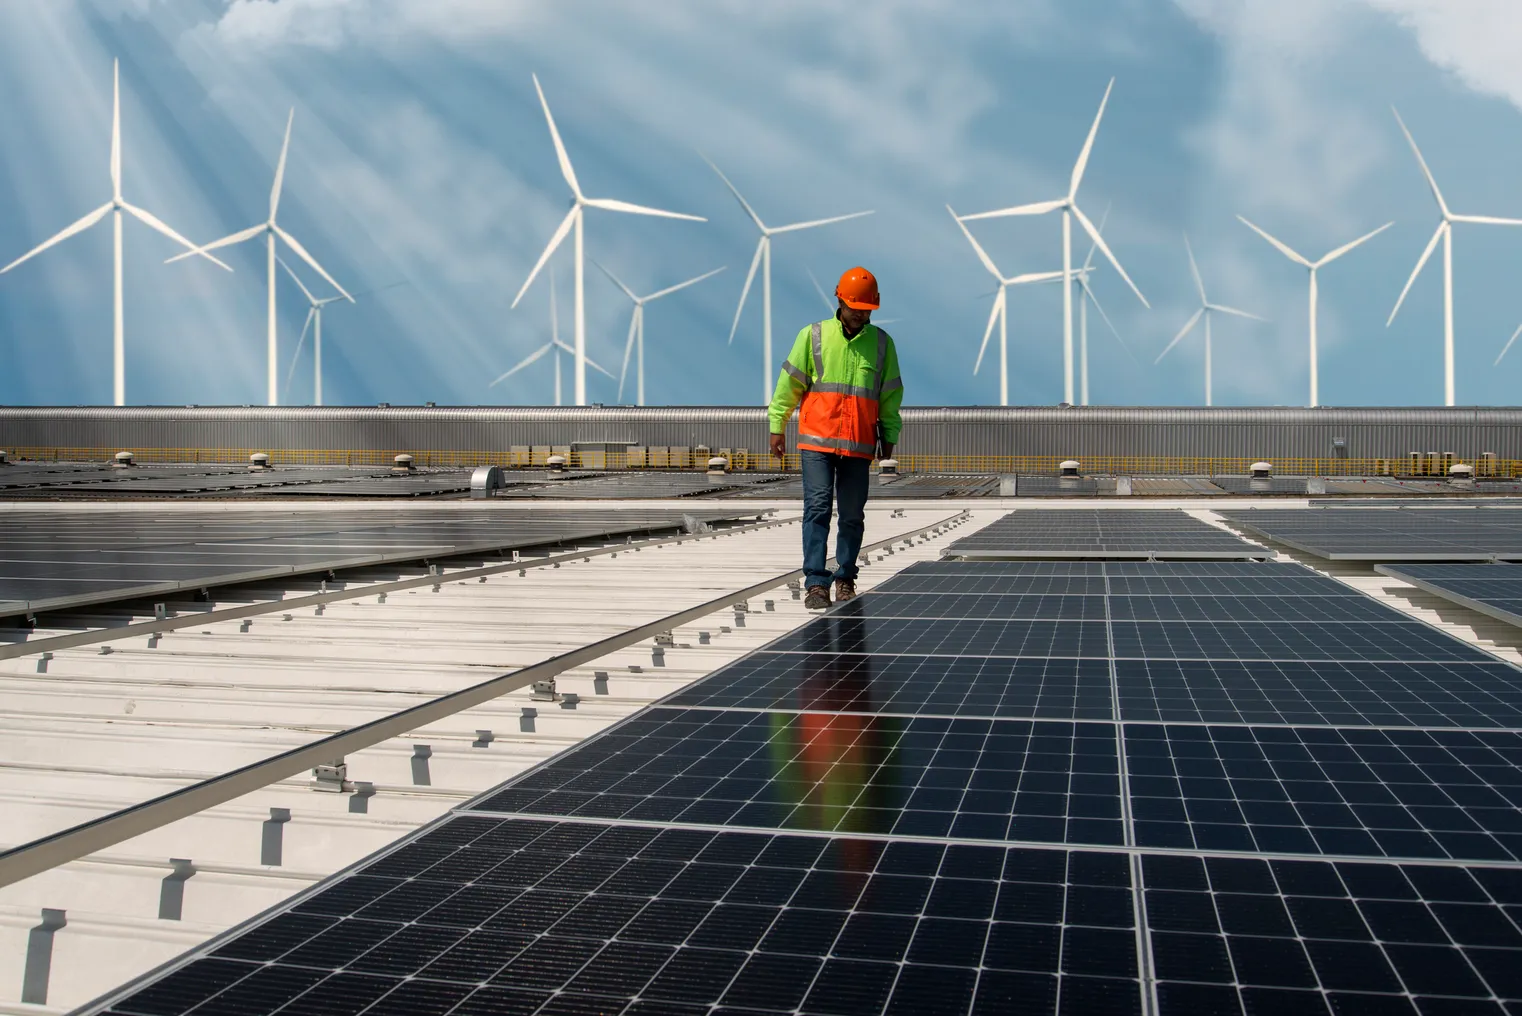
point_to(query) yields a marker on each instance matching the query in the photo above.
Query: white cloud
(1477, 40)
(327, 24)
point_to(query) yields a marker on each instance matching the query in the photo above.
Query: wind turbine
(637, 327)
(1081, 278)
(1443, 232)
(314, 318)
(115, 207)
(1314, 266)
(1068, 205)
(1000, 312)
(579, 203)
(554, 344)
(763, 257)
(270, 230)
(1206, 309)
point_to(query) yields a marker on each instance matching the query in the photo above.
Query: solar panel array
(1491, 589)
(78, 481)
(1391, 534)
(1077, 787)
(54, 560)
(1103, 533)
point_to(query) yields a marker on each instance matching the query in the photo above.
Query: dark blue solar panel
(1491, 589)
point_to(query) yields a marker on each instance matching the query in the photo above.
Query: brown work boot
(817, 598)
(845, 590)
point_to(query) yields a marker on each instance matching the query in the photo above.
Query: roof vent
(718, 464)
(557, 466)
(484, 480)
(888, 467)
(259, 460)
(123, 460)
(402, 464)
(1260, 470)
(1069, 467)
(5, 458)
(1461, 474)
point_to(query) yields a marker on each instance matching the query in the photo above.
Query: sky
(422, 177)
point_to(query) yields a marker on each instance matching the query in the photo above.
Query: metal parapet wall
(1139, 440)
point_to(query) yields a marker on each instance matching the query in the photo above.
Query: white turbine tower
(1000, 311)
(1081, 279)
(579, 204)
(1205, 310)
(554, 345)
(115, 207)
(1068, 205)
(1313, 267)
(763, 258)
(1443, 232)
(271, 230)
(636, 338)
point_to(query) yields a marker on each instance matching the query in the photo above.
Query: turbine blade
(793, 228)
(683, 285)
(116, 130)
(1340, 251)
(1030, 277)
(1234, 312)
(311, 311)
(226, 241)
(829, 307)
(736, 192)
(301, 285)
(526, 361)
(982, 254)
(560, 232)
(629, 292)
(565, 160)
(1194, 269)
(301, 252)
(1508, 345)
(590, 362)
(78, 226)
(610, 205)
(1104, 248)
(1431, 180)
(1194, 319)
(1486, 220)
(285, 147)
(750, 277)
(154, 222)
(1088, 260)
(1088, 145)
(628, 349)
(1279, 244)
(993, 315)
(1037, 208)
(1421, 263)
(1089, 294)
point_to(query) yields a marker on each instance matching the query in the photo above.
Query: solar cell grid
(1307, 790)
(1040, 781)
(849, 634)
(1402, 534)
(931, 685)
(1103, 533)
(1492, 589)
(532, 916)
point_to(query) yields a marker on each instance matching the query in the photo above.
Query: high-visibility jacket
(846, 386)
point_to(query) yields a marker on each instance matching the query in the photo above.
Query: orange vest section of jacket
(841, 416)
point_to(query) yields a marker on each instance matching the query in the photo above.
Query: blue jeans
(828, 479)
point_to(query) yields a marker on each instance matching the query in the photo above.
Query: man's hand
(885, 450)
(779, 445)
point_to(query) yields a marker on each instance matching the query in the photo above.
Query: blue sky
(419, 156)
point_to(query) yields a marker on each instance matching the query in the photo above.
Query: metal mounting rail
(53, 643)
(97, 834)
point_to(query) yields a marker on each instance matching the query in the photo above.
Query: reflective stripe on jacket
(846, 386)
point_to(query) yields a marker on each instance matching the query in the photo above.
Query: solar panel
(1395, 534)
(1238, 787)
(1103, 533)
(1491, 589)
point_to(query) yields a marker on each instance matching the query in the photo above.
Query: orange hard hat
(858, 288)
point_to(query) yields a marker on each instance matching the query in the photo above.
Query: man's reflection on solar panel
(835, 759)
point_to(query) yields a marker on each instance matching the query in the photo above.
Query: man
(845, 373)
